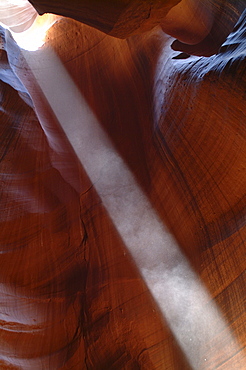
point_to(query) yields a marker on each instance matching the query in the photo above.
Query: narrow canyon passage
(123, 181)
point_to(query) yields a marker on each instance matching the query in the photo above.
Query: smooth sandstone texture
(71, 296)
(204, 24)
(17, 15)
(119, 18)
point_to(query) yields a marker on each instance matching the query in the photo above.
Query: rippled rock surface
(74, 294)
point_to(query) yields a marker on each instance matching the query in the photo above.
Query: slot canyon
(123, 184)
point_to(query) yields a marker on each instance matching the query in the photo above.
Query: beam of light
(183, 300)
(26, 26)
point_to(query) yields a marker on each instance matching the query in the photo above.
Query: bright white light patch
(34, 38)
(17, 15)
(26, 26)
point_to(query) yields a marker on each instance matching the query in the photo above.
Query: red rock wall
(71, 295)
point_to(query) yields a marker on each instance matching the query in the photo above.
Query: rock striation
(73, 296)
(200, 26)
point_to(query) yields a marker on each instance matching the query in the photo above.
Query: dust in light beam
(184, 302)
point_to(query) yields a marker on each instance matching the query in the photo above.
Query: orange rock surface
(73, 293)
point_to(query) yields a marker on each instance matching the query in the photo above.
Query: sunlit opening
(34, 38)
(17, 15)
(26, 26)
